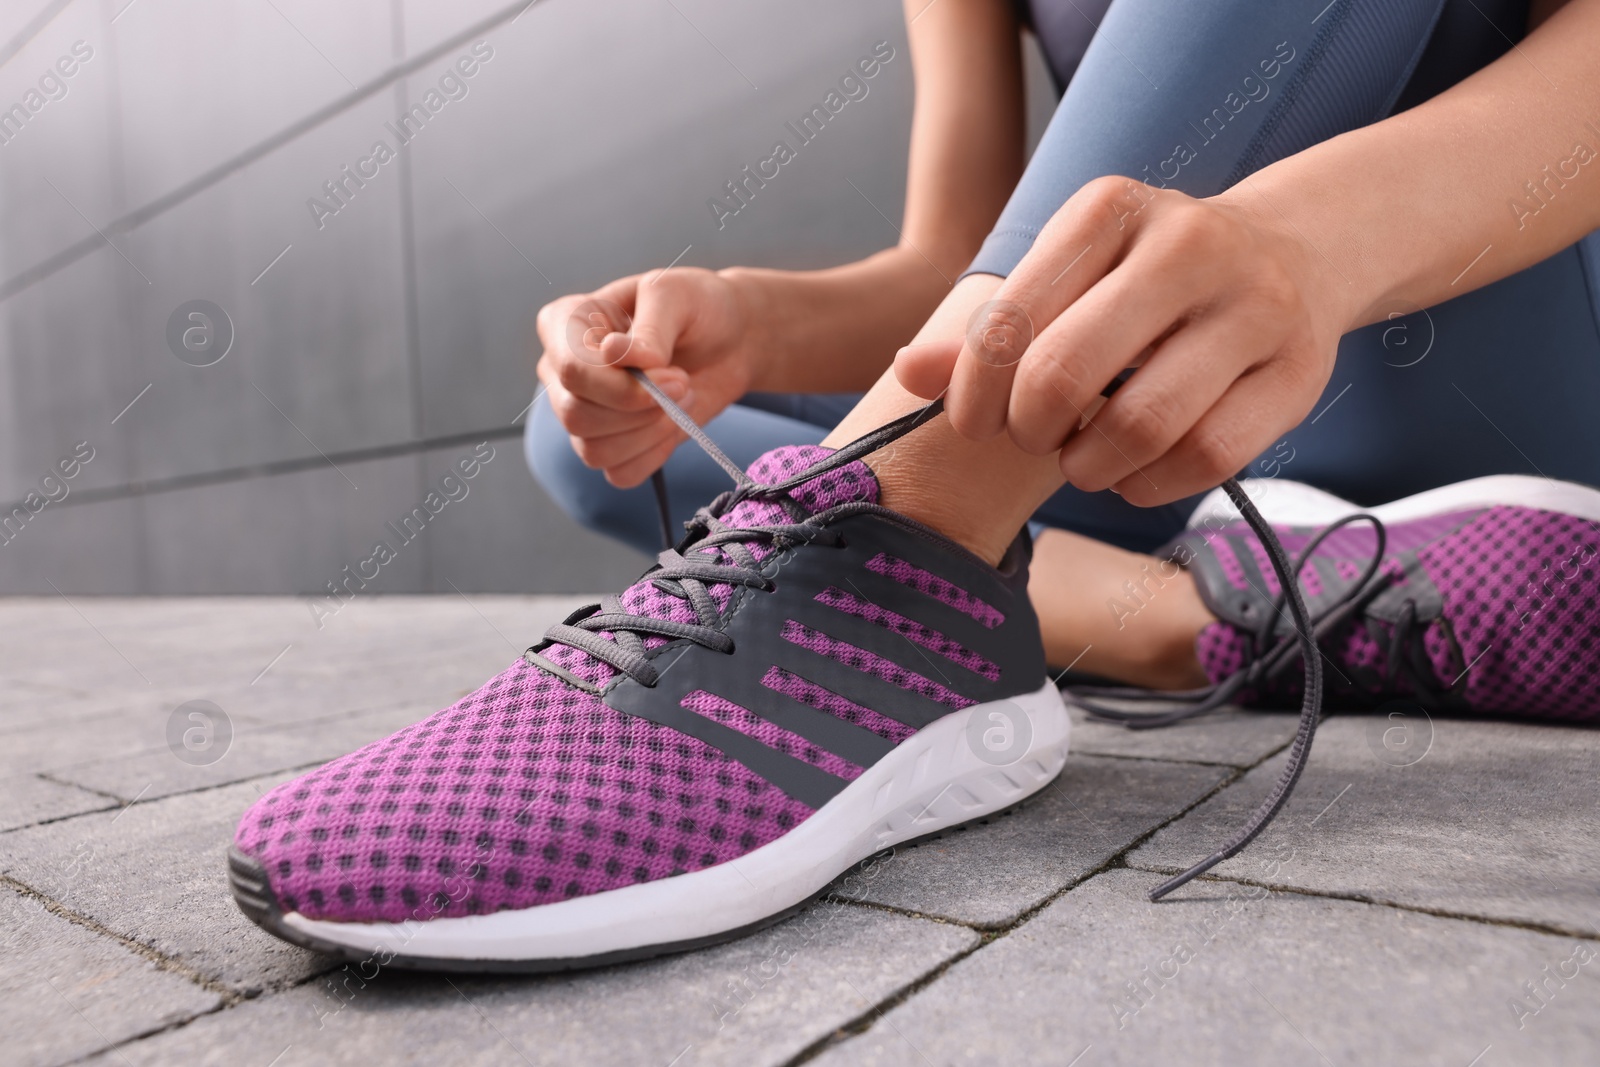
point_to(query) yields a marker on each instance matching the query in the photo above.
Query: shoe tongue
(853, 482)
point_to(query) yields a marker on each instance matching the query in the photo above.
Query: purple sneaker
(807, 679)
(1480, 596)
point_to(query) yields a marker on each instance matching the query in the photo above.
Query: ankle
(1117, 614)
(930, 501)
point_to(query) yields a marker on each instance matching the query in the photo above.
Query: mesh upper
(1521, 594)
(525, 792)
(530, 790)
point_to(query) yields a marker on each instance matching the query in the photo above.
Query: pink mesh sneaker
(1480, 596)
(806, 679)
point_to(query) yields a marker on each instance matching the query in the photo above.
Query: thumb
(925, 369)
(661, 315)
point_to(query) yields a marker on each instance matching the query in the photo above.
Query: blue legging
(1195, 97)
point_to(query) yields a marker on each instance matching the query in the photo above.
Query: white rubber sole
(1287, 503)
(960, 768)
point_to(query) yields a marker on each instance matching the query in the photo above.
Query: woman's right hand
(687, 328)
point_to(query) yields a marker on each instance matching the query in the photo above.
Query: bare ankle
(1117, 614)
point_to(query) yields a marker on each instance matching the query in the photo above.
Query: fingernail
(676, 388)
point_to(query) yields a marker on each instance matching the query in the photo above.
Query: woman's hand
(1233, 320)
(687, 328)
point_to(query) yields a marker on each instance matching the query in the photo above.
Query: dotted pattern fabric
(530, 791)
(525, 792)
(911, 630)
(931, 584)
(1522, 589)
(747, 722)
(1521, 592)
(871, 663)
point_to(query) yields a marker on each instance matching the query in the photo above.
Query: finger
(584, 418)
(664, 312)
(578, 321)
(1181, 380)
(997, 337)
(1107, 330)
(632, 472)
(1080, 243)
(606, 341)
(1257, 409)
(615, 388)
(613, 451)
(924, 369)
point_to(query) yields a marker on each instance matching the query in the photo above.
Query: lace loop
(683, 571)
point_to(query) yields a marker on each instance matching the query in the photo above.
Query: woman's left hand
(1233, 320)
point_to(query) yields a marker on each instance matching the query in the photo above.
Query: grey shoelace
(579, 630)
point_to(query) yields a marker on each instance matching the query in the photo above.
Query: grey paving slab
(60, 650)
(760, 1000)
(1491, 819)
(1233, 737)
(66, 991)
(155, 872)
(989, 875)
(42, 746)
(211, 761)
(26, 799)
(263, 662)
(1245, 976)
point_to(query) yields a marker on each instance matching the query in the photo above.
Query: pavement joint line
(1117, 861)
(891, 1024)
(137, 797)
(142, 1035)
(862, 1022)
(1361, 898)
(257, 727)
(165, 796)
(160, 959)
(46, 776)
(909, 913)
(847, 1031)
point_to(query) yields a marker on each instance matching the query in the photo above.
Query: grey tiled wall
(375, 349)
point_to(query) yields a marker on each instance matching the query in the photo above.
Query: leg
(1301, 88)
(756, 424)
